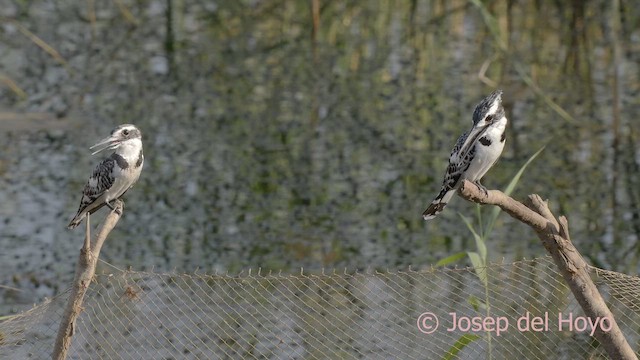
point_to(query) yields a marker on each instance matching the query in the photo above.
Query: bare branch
(516, 209)
(85, 269)
(554, 235)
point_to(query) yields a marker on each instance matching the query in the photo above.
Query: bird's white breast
(124, 178)
(486, 156)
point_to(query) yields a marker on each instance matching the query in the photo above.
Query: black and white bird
(115, 174)
(475, 152)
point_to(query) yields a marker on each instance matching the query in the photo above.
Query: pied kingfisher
(475, 151)
(115, 174)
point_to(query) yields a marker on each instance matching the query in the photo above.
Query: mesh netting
(337, 315)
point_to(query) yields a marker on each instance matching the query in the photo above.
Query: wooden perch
(85, 269)
(554, 234)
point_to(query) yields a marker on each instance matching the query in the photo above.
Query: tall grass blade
(479, 266)
(512, 185)
(481, 247)
(463, 341)
(451, 259)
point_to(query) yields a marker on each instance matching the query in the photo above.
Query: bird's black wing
(99, 182)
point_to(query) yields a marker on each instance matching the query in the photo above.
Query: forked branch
(554, 234)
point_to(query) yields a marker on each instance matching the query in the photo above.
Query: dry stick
(555, 238)
(85, 269)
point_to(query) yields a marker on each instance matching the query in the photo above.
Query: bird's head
(119, 136)
(489, 111)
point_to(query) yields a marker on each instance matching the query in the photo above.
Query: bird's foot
(113, 205)
(481, 187)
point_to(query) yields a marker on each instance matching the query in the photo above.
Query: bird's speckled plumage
(115, 174)
(475, 152)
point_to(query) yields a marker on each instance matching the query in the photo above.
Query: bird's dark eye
(125, 132)
(489, 118)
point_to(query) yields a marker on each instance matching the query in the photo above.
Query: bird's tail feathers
(438, 204)
(76, 220)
